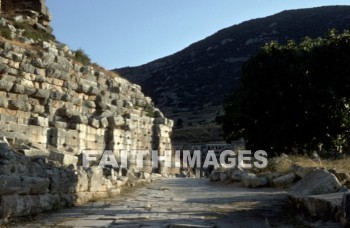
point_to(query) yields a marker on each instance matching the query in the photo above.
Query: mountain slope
(191, 84)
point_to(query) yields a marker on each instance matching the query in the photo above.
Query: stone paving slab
(179, 203)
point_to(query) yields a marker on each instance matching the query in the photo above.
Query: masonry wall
(26, 7)
(51, 109)
(49, 99)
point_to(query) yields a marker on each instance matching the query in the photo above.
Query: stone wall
(49, 99)
(32, 185)
(13, 7)
(51, 108)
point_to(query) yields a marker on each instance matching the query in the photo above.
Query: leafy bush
(149, 111)
(81, 57)
(293, 97)
(6, 32)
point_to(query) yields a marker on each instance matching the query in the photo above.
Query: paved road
(177, 203)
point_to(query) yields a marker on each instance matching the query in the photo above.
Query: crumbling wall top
(12, 7)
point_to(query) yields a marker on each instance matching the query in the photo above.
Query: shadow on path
(179, 201)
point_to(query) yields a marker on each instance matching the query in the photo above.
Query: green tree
(293, 97)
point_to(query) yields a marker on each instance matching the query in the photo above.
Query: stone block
(83, 88)
(64, 158)
(95, 123)
(81, 119)
(301, 172)
(19, 105)
(17, 205)
(325, 207)
(29, 90)
(224, 176)
(284, 181)
(254, 182)
(26, 67)
(318, 182)
(96, 179)
(9, 184)
(346, 209)
(116, 121)
(3, 102)
(42, 93)
(214, 176)
(18, 89)
(39, 109)
(237, 174)
(82, 184)
(34, 152)
(41, 121)
(34, 185)
(104, 122)
(5, 85)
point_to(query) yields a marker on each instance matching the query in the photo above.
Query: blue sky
(118, 33)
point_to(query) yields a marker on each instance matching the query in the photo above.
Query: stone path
(178, 203)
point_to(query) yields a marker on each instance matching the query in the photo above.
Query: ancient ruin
(55, 104)
(53, 107)
(30, 8)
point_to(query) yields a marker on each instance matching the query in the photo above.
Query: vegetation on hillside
(293, 97)
(5, 32)
(82, 57)
(30, 32)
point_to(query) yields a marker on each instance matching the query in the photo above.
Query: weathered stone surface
(325, 207)
(64, 158)
(343, 177)
(346, 209)
(160, 120)
(97, 181)
(42, 28)
(284, 181)
(318, 182)
(116, 121)
(80, 119)
(224, 176)
(103, 122)
(18, 89)
(34, 185)
(214, 176)
(17, 205)
(41, 121)
(5, 85)
(237, 174)
(82, 184)
(9, 184)
(19, 105)
(301, 172)
(93, 122)
(3, 102)
(34, 152)
(42, 93)
(254, 182)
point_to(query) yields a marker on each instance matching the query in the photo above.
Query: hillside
(191, 85)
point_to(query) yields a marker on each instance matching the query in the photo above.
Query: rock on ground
(317, 182)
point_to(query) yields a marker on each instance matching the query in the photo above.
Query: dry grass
(284, 164)
(304, 161)
(103, 70)
(339, 164)
(17, 43)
